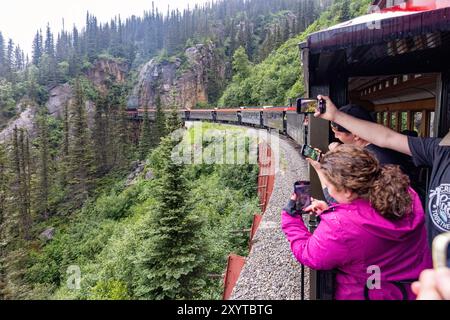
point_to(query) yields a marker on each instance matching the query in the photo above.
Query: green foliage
(7, 101)
(279, 78)
(110, 290)
(241, 64)
(172, 259)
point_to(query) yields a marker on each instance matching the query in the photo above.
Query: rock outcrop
(103, 72)
(184, 82)
(106, 70)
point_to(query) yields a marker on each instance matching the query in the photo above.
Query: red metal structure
(266, 178)
(234, 267)
(411, 5)
(256, 221)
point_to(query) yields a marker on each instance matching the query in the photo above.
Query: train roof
(382, 26)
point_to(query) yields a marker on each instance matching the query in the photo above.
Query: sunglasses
(339, 128)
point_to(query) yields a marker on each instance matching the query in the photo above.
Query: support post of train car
(318, 137)
(443, 108)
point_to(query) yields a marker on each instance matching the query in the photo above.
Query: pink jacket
(352, 238)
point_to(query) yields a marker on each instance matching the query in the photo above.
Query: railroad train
(284, 120)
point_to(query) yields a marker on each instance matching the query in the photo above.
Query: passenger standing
(384, 156)
(378, 222)
(429, 152)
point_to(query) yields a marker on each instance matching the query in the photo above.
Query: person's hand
(330, 112)
(333, 146)
(433, 285)
(314, 164)
(316, 206)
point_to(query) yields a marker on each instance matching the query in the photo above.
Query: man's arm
(372, 132)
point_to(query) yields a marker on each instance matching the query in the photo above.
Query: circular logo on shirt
(439, 207)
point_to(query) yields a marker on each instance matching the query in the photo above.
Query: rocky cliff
(185, 81)
(103, 72)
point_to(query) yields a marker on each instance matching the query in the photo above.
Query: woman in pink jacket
(376, 231)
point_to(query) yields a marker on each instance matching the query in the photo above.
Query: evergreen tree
(173, 256)
(2, 56)
(21, 191)
(38, 49)
(345, 11)
(145, 141)
(3, 186)
(160, 119)
(241, 64)
(80, 153)
(100, 135)
(49, 43)
(44, 164)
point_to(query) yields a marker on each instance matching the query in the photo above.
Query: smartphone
(311, 105)
(311, 153)
(440, 248)
(303, 191)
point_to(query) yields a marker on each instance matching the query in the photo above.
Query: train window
(404, 123)
(418, 123)
(394, 121)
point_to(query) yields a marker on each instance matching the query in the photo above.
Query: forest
(83, 194)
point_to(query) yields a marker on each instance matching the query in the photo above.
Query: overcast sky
(20, 19)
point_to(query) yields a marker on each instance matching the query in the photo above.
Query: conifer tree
(173, 256)
(80, 153)
(21, 182)
(160, 119)
(3, 185)
(44, 164)
(345, 11)
(145, 141)
(2, 55)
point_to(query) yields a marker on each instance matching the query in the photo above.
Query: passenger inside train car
(363, 229)
(384, 156)
(431, 152)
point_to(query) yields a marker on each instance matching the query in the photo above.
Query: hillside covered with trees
(86, 191)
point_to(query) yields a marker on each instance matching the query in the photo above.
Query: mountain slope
(280, 77)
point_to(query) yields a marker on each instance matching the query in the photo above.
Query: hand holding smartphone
(302, 190)
(311, 105)
(311, 153)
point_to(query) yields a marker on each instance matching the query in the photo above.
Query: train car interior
(401, 102)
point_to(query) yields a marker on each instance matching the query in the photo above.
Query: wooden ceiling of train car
(413, 91)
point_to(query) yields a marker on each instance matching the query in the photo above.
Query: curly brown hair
(355, 169)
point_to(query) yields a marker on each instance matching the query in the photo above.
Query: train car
(184, 115)
(151, 114)
(228, 115)
(275, 118)
(253, 116)
(296, 127)
(202, 115)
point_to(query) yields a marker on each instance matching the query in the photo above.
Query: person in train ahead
(384, 156)
(429, 152)
(378, 225)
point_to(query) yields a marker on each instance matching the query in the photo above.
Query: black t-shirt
(427, 152)
(406, 164)
(388, 156)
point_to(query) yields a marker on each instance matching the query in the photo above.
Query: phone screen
(303, 192)
(311, 153)
(306, 105)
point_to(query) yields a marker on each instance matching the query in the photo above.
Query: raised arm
(372, 132)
